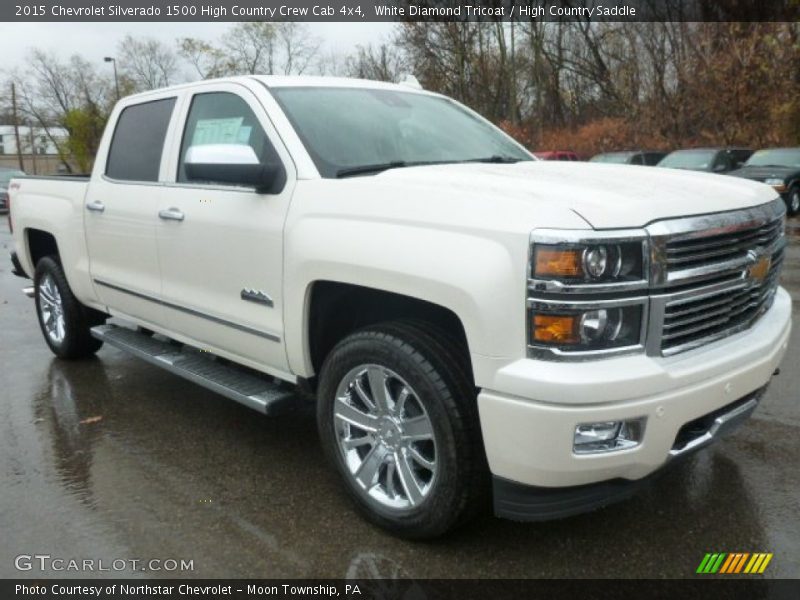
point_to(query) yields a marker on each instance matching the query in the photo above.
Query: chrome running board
(263, 394)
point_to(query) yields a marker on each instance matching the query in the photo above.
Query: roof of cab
(276, 81)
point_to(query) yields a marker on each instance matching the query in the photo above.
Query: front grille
(711, 274)
(731, 309)
(694, 251)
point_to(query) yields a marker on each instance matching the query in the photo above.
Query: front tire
(793, 200)
(64, 321)
(397, 416)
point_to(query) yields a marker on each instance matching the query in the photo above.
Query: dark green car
(780, 168)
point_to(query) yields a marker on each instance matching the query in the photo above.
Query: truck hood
(604, 195)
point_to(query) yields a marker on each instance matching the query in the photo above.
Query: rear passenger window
(135, 153)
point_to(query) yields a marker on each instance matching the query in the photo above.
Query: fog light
(607, 436)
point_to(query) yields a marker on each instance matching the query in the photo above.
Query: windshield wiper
(397, 164)
(495, 158)
(376, 168)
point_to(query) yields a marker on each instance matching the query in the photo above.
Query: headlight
(598, 326)
(587, 293)
(777, 184)
(588, 263)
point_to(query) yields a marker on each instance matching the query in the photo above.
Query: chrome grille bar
(704, 267)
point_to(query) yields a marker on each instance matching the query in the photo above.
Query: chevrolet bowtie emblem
(759, 269)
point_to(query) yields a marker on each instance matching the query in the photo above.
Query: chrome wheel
(794, 201)
(51, 309)
(385, 437)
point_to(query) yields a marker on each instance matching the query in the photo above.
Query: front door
(221, 245)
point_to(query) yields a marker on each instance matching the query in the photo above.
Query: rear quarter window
(138, 142)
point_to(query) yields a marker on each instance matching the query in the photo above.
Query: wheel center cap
(389, 433)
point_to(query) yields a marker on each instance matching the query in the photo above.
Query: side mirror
(720, 168)
(230, 163)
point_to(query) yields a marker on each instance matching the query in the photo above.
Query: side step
(261, 394)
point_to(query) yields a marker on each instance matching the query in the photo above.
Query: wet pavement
(171, 470)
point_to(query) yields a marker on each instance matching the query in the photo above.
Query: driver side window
(222, 118)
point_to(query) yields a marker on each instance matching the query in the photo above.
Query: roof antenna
(409, 80)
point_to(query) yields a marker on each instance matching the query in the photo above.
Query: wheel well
(338, 309)
(41, 244)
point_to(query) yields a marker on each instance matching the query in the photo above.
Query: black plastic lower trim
(520, 502)
(17, 267)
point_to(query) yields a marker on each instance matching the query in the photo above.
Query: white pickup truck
(474, 323)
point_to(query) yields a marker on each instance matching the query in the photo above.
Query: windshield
(779, 157)
(8, 175)
(348, 129)
(689, 159)
(612, 157)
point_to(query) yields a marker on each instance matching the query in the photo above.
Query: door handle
(95, 206)
(171, 214)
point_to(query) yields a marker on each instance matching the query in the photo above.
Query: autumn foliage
(615, 86)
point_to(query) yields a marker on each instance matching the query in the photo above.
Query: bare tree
(67, 94)
(381, 63)
(206, 60)
(297, 47)
(253, 48)
(147, 62)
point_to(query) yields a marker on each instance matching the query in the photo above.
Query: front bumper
(531, 503)
(528, 428)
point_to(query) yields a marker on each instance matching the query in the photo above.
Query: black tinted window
(721, 161)
(224, 118)
(637, 159)
(740, 156)
(138, 141)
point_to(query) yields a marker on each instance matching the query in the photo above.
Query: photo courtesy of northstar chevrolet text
(352, 298)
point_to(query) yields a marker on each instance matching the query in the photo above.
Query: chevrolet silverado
(476, 325)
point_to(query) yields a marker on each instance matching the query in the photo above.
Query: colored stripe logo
(732, 563)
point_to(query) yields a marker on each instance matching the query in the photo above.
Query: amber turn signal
(559, 329)
(558, 262)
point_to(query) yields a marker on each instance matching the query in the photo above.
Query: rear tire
(432, 474)
(64, 321)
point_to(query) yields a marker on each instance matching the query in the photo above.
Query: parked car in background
(780, 168)
(5, 176)
(630, 157)
(712, 160)
(556, 155)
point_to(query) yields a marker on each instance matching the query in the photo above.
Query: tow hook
(28, 291)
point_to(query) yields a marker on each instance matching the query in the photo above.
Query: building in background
(39, 148)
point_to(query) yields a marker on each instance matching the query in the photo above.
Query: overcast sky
(96, 40)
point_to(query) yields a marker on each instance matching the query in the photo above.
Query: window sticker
(219, 131)
(244, 135)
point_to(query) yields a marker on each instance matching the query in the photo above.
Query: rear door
(121, 211)
(221, 245)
